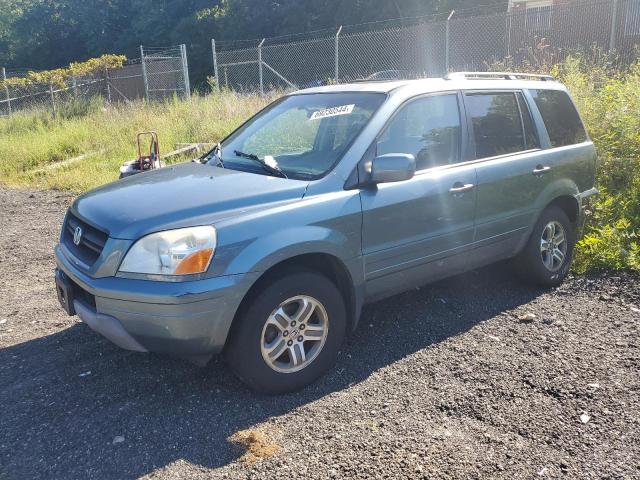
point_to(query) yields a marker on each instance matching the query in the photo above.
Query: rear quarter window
(560, 117)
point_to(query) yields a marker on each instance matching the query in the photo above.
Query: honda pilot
(267, 247)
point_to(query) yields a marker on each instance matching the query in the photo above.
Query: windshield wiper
(272, 169)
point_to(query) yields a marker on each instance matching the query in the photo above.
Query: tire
(545, 268)
(257, 329)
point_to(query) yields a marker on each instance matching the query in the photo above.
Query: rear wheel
(546, 258)
(290, 333)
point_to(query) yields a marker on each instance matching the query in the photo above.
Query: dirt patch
(257, 445)
(30, 222)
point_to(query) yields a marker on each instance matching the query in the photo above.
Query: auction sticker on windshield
(333, 112)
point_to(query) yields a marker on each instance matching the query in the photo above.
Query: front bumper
(187, 319)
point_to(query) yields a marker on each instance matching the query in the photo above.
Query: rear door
(510, 173)
(418, 230)
(568, 150)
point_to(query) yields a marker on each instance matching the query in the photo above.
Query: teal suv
(267, 247)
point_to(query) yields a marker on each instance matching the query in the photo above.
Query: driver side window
(290, 132)
(427, 128)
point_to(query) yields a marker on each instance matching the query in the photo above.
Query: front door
(419, 230)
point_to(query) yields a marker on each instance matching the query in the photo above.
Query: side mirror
(393, 167)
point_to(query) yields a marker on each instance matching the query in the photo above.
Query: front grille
(91, 242)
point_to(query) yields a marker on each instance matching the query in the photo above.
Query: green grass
(32, 143)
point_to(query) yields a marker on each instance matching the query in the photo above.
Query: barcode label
(333, 112)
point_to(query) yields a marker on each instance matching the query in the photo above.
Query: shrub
(610, 104)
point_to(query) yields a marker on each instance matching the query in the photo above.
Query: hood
(182, 195)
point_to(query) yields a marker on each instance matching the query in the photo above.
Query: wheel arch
(569, 204)
(561, 193)
(324, 263)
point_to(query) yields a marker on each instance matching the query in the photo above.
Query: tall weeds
(33, 143)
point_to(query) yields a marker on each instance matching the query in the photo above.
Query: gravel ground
(474, 377)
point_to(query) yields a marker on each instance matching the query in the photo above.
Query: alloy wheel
(553, 246)
(294, 334)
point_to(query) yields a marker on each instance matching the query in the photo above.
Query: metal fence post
(185, 71)
(6, 89)
(508, 34)
(144, 74)
(446, 46)
(260, 66)
(53, 98)
(215, 63)
(106, 81)
(337, 77)
(614, 24)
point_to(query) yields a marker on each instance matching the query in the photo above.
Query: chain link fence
(159, 74)
(528, 36)
(165, 72)
(19, 97)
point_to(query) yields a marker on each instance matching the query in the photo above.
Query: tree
(51, 33)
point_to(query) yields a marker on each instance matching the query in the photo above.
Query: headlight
(183, 251)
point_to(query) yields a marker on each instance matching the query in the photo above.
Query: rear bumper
(178, 318)
(584, 199)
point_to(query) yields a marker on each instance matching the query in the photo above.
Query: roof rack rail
(496, 75)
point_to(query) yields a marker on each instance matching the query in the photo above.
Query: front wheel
(546, 258)
(290, 333)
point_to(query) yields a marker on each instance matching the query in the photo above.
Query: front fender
(326, 223)
(269, 250)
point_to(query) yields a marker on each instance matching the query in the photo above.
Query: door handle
(459, 188)
(541, 170)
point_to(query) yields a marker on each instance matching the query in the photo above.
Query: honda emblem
(77, 235)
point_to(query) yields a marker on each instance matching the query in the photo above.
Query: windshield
(303, 136)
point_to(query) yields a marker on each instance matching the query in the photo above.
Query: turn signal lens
(195, 263)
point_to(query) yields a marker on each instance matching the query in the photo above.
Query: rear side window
(497, 126)
(560, 117)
